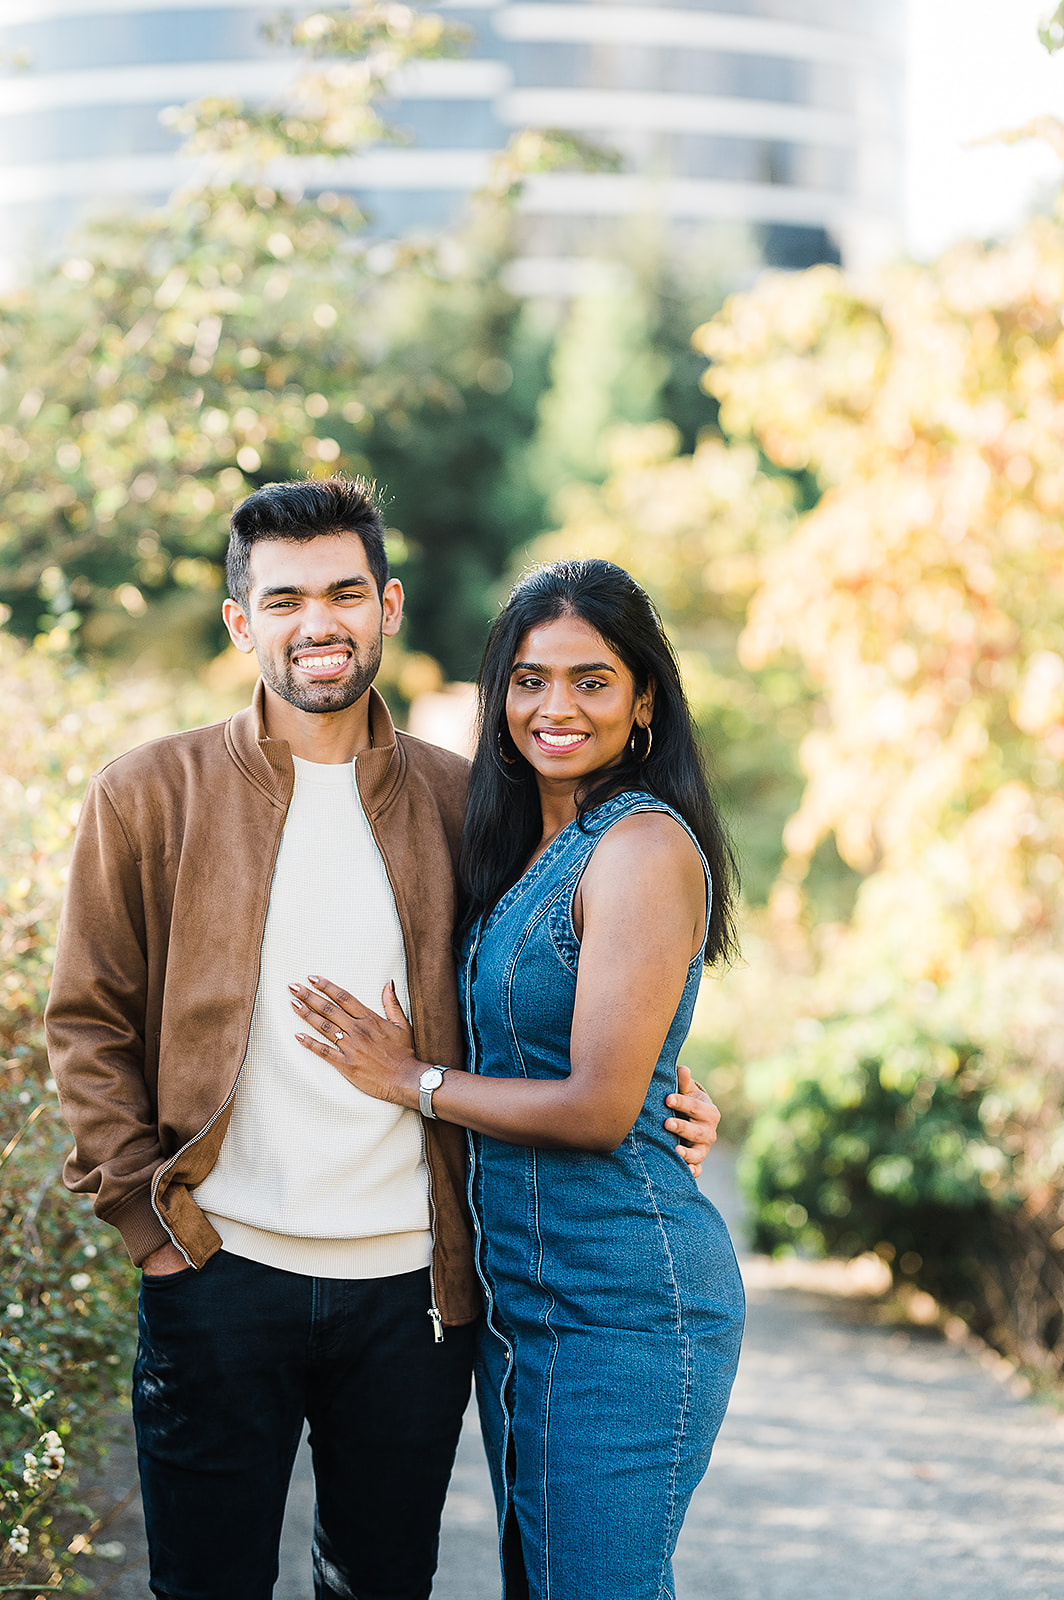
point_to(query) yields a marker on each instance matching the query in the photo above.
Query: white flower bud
(54, 1455)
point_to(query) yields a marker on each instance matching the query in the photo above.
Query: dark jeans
(230, 1361)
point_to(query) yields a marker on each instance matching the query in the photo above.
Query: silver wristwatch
(429, 1080)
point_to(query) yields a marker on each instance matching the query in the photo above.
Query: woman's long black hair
(504, 823)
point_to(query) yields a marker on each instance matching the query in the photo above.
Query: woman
(598, 881)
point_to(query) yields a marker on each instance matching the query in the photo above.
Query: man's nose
(319, 621)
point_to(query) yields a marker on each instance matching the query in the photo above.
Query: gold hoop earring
(650, 741)
(511, 761)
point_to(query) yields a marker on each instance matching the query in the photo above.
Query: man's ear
(391, 607)
(237, 624)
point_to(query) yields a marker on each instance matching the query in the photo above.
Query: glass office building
(783, 117)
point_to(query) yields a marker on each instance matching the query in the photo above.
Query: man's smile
(323, 662)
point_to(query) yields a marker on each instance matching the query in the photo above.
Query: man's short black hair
(303, 511)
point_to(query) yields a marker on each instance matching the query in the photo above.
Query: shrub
(876, 1136)
(67, 1319)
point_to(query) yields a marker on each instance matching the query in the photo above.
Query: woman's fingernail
(313, 977)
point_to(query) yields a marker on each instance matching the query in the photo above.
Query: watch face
(431, 1079)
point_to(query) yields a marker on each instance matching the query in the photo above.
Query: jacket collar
(268, 762)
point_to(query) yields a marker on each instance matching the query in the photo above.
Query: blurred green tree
(603, 370)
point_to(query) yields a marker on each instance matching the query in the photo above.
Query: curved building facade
(781, 116)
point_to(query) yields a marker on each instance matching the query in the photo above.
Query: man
(305, 1249)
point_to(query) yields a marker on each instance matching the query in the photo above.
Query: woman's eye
(530, 683)
(590, 683)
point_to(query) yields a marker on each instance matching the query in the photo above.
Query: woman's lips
(558, 741)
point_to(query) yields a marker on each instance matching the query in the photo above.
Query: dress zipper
(434, 1311)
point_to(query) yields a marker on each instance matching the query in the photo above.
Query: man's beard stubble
(323, 697)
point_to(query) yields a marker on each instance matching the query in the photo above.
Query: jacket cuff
(136, 1221)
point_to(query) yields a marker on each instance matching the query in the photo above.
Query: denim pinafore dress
(614, 1302)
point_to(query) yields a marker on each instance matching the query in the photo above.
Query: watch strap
(427, 1090)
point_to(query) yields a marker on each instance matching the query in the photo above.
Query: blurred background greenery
(845, 497)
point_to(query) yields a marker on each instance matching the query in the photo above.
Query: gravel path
(858, 1462)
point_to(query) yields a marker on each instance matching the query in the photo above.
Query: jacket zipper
(434, 1313)
(161, 1171)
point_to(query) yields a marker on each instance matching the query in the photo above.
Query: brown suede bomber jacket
(158, 958)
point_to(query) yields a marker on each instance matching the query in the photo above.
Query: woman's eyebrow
(585, 666)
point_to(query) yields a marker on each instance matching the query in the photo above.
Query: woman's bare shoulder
(648, 842)
(646, 874)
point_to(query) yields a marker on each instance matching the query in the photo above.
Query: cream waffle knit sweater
(314, 1176)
